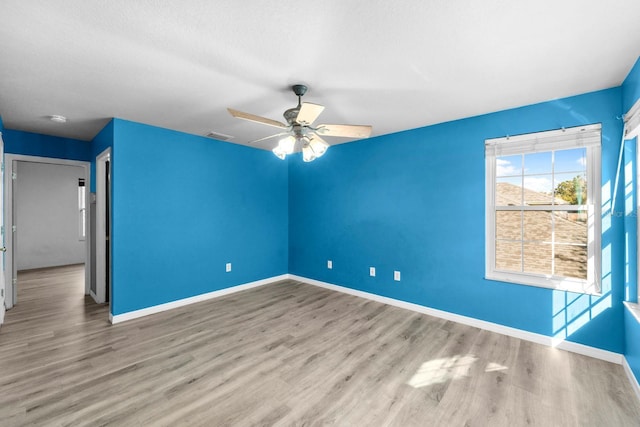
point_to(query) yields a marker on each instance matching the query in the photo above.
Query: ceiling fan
(300, 130)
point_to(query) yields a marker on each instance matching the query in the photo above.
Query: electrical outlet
(228, 267)
(329, 264)
(396, 276)
(372, 271)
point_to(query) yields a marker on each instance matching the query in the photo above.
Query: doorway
(102, 292)
(16, 260)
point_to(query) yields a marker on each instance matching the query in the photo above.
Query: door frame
(101, 216)
(10, 273)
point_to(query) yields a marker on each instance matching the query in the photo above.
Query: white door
(2, 242)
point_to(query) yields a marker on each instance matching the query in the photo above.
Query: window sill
(577, 286)
(634, 309)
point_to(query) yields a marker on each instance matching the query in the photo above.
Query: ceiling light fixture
(58, 119)
(300, 131)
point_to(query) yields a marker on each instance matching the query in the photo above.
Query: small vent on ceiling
(217, 135)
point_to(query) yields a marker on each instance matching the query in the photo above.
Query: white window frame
(632, 133)
(588, 137)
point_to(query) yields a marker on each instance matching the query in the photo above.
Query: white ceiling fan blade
(257, 119)
(309, 113)
(269, 137)
(350, 131)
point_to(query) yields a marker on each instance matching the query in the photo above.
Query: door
(3, 290)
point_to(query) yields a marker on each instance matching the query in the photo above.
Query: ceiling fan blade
(268, 137)
(350, 131)
(257, 119)
(309, 113)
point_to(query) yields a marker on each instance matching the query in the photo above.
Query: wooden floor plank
(284, 354)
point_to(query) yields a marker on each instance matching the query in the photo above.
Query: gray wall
(46, 203)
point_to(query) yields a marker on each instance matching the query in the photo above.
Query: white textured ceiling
(395, 65)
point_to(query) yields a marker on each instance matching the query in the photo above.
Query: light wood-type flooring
(286, 354)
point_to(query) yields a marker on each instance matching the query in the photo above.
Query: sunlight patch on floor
(439, 371)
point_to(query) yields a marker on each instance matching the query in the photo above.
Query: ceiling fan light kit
(299, 130)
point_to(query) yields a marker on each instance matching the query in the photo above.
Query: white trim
(596, 353)
(10, 293)
(632, 378)
(118, 318)
(101, 287)
(634, 309)
(579, 136)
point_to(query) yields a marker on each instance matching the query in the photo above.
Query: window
(543, 209)
(632, 132)
(82, 210)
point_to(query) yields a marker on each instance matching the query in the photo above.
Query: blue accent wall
(414, 201)
(102, 141)
(35, 144)
(630, 94)
(631, 87)
(185, 205)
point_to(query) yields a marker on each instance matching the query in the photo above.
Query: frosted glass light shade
(287, 144)
(279, 153)
(318, 146)
(307, 153)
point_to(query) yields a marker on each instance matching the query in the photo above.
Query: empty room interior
(320, 213)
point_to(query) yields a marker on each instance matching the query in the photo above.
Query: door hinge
(1, 293)
(2, 166)
(14, 175)
(14, 281)
(14, 228)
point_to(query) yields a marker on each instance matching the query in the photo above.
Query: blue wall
(185, 205)
(35, 144)
(415, 201)
(630, 94)
(102, 141)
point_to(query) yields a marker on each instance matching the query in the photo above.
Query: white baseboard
(597, 353)
(632, 378)
(118, 318)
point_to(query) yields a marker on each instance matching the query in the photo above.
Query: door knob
(3, 249)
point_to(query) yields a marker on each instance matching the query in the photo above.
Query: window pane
(509, 225)
(508, 256)
(574, 160)
(537, 226)
(537, 163)
(509, 192)
(571, 261)
(571, 227)
(537, 258)
(538, 190)
(509, 165)
(570, 188)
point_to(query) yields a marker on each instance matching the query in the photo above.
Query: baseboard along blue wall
(184, 206)
(414, 201)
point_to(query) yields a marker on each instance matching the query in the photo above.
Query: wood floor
(285, 354)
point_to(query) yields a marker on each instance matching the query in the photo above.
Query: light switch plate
(372, 271)
(228, 267)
